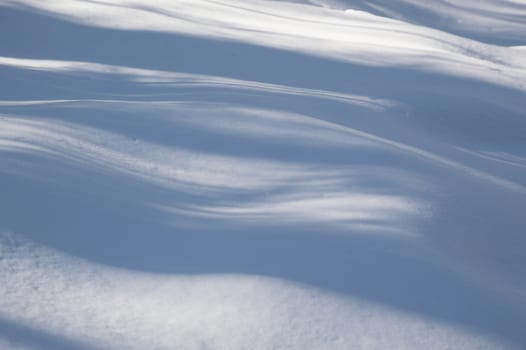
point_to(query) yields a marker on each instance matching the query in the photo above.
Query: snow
(262, 174)
(493, 21)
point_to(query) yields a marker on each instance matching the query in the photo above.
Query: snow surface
(227, 174)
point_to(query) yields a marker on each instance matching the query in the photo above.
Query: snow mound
(266, 174)
(99, 307)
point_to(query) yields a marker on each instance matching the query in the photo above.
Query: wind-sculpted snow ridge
(501, 22)
(227, 174)
(350, 36)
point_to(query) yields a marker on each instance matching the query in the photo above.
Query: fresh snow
(228, 174)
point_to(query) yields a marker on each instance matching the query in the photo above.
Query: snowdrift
(224, 174)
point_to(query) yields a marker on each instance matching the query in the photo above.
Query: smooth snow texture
(227, 174)
(137, 310)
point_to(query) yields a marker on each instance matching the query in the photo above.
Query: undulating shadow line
(53, 38)
(165, 129)
(419, 15)
(122, 230)
(48, 37)
(18, 334)
(108, 218)
(425, 92)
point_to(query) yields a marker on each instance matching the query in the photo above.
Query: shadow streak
(19, 334)
(110, 218)
(107, 218)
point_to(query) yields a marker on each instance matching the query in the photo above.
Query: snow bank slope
(265, 174)
(500, 22)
